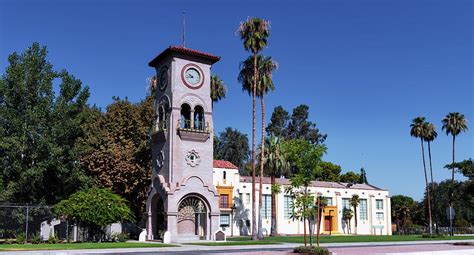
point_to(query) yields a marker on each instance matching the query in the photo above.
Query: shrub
(119, 237)
(432, 236)
(53, 239)
(8, 241)
(20, 239)
(35, 239)
(312, 250)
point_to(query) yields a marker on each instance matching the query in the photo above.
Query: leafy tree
(350, 177)
(276, 164)
(39, 129)
(330, 172)
(94, 209)
(454, 123)
(300, 127)
(278, 122)
(254, 33)
(363, 176)
(403, 208)
(116, 149)
(304, 158)
(265, 68)
(233, 146)
(465, 167)
(418, 130)
(218, 90)
(355, 203)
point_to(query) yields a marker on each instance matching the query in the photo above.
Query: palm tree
(454, 123)
(429, 135)
(218, 90)
(265, 68)
(418, 130)
(321, 203)
(354, 203)
(346, 217)
(254, 33)
(276, 164)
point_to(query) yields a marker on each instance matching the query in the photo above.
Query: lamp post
(232, 208)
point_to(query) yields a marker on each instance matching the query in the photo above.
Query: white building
(373, 212)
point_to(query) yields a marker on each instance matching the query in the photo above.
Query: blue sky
(365, 68)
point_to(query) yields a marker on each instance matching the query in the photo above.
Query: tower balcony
(158, 133)
(193, 131)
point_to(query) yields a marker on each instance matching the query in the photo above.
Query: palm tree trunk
(355, 219)
(262, 150)
(451, 194)
(273, 231)
(435, 214)
(427, 187)
(254, 123)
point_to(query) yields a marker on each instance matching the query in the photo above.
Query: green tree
(276, 164)
(265, 68)
(346, 218)
(402, 212)
(418, 130)
(94, 209)
(254, 33)
(465, 167)
(304, 158)
(300, 127)
(233, 146)
(116, 149)
(355, 203)
(329, 172)
(453, 124)
(218, 90)
(278, 122)
(350, 177)
(363, 176)
(39, 129)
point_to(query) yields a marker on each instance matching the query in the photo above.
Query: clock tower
(182, 202)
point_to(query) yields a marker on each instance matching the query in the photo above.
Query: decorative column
(149, 227)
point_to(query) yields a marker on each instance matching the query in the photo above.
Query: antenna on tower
(184, 29)
(362, 160)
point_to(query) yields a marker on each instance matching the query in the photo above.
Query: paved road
(426, 247)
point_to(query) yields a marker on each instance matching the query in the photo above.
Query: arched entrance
(192, 212)
(158, 217)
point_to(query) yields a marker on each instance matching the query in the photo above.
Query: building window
(267, 206)
(247, 199)
(363, 209)
(346, 203)
(287, 206)
(379, 204)
(241, 199)
(379, 216)
(224, 175)
(225, 220)
(329, 201)
(224, 201)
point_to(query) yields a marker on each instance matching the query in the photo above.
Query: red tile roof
(224, 164)
(187, 51)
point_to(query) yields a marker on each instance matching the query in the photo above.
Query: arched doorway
(158, 217)
(192, 212)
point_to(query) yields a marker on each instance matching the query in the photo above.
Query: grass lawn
(351, 239)
(239, 242)
(78, 246)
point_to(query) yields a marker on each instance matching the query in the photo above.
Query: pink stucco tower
(182, 200)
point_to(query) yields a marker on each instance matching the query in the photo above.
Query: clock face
(192, 76)
(163, 78)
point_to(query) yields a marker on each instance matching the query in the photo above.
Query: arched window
(225, 175)
(199, 118)
(163, 113)
(185, 116)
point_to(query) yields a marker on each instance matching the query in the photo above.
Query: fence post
(26, 227)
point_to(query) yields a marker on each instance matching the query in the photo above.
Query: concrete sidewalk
(274, 249)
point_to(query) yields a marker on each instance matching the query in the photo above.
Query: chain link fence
(25, 219)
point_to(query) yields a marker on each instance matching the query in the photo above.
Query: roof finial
(184, 29)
